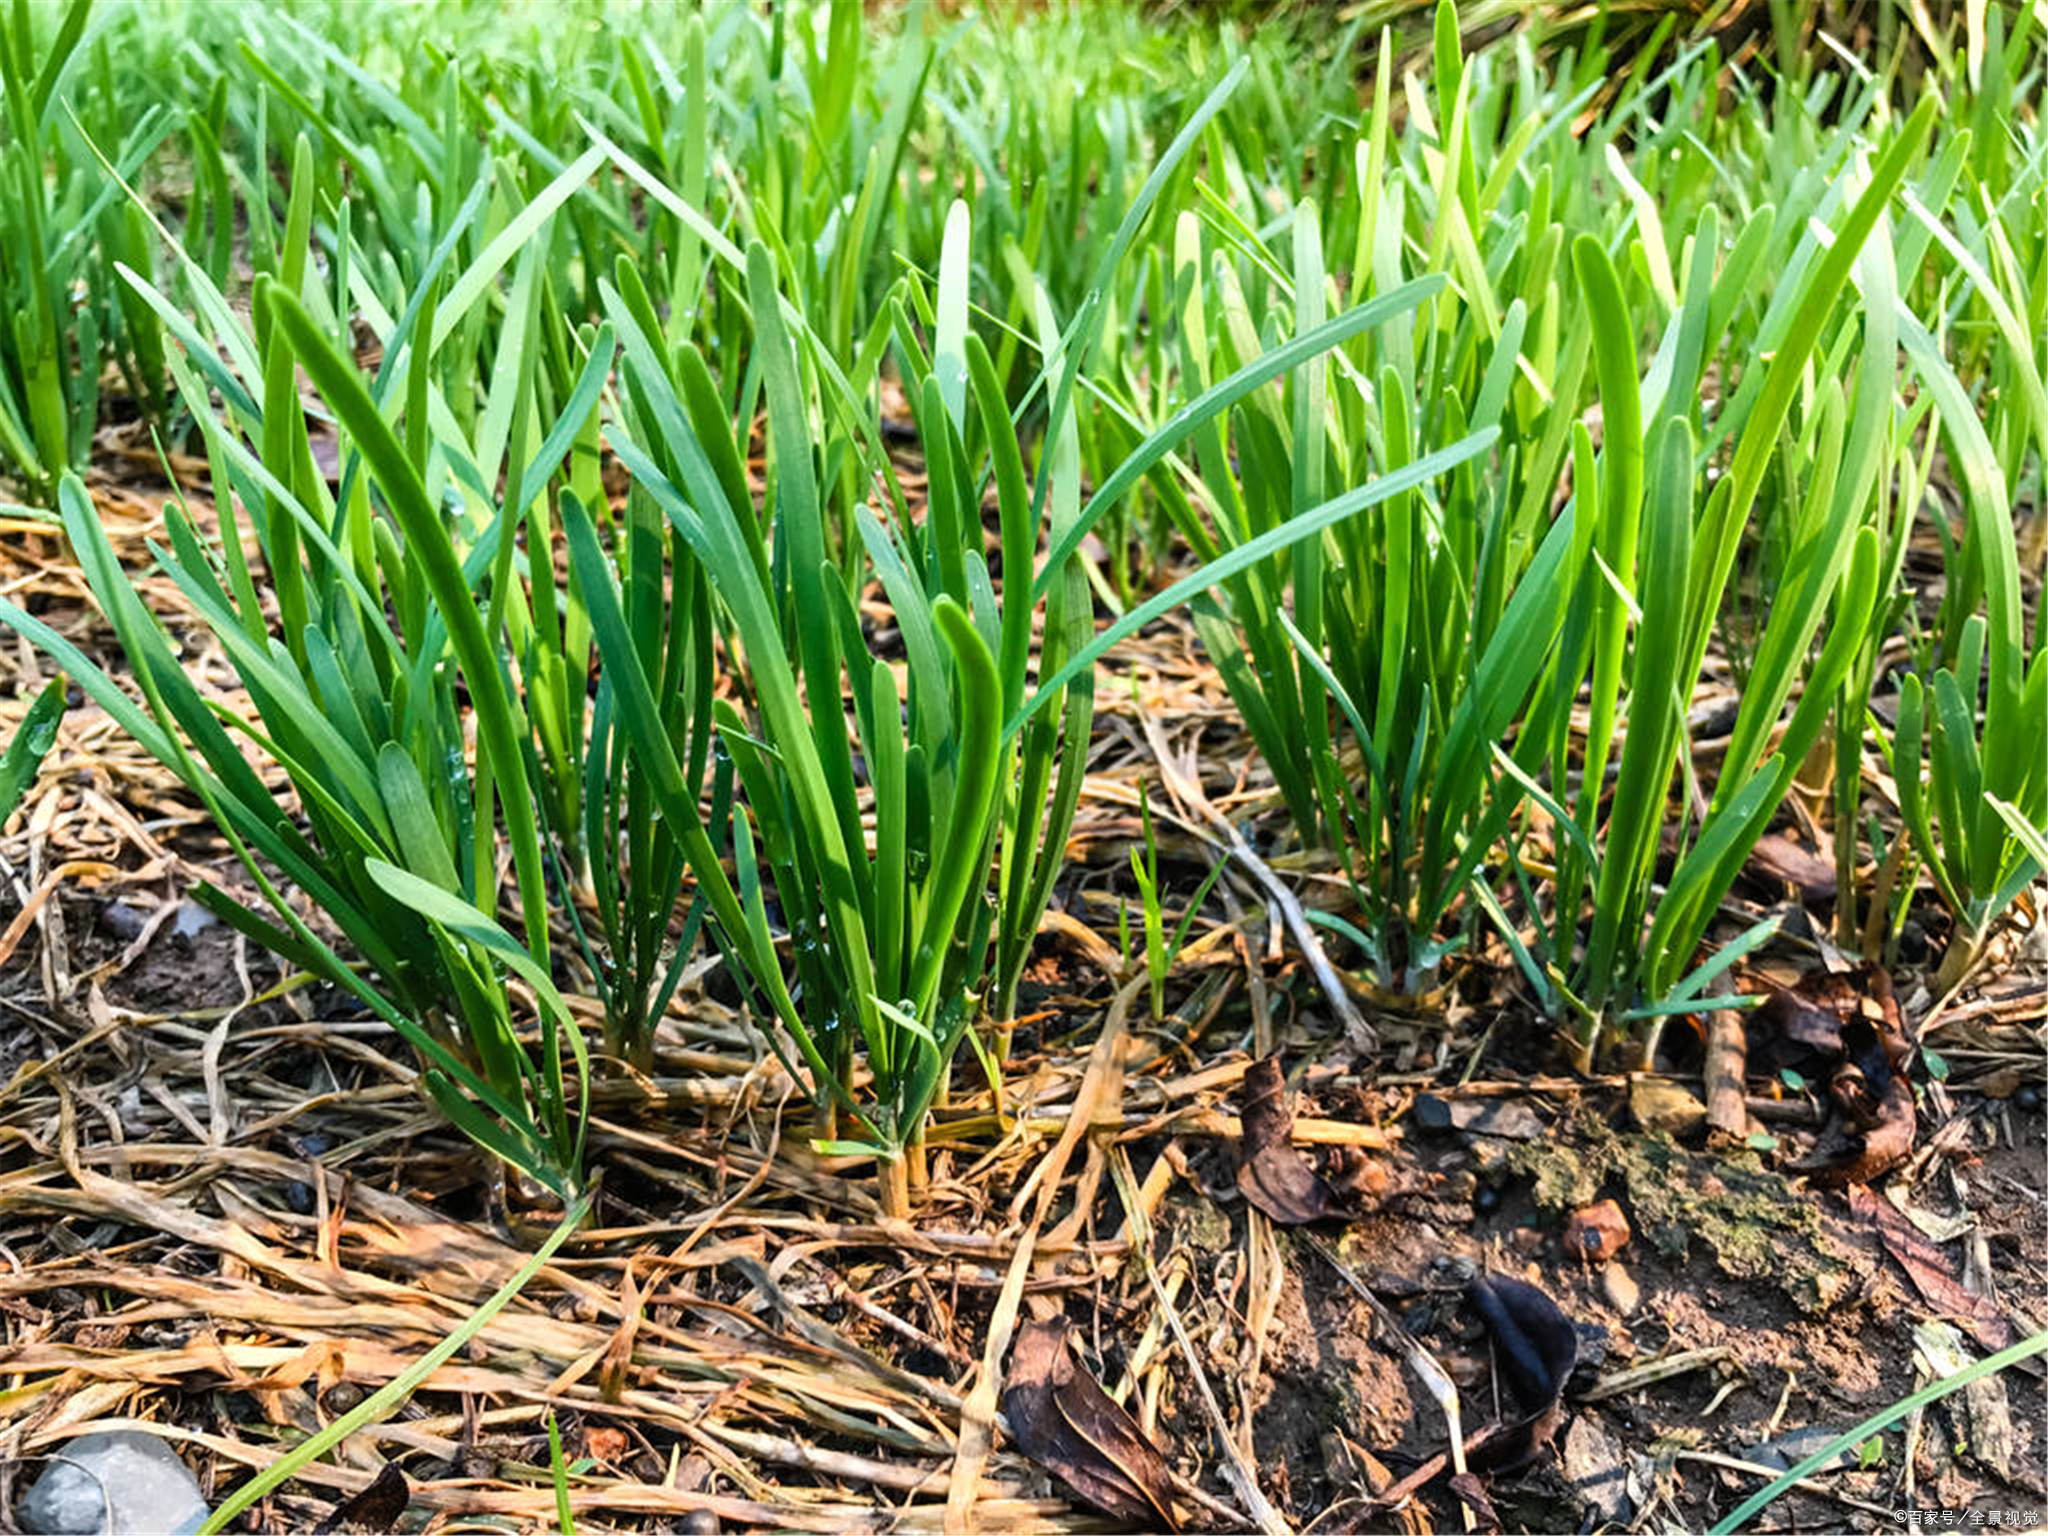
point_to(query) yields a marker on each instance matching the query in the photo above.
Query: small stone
(693, 1474)
(122, 921)
(1658, 1104)
(1507, 1118)
(1597, 1232)
(1431, 1113)
(1596, 1343)
(191, 921)
(1597, 1468)
(1619, 1287)
(120, 1483)
(1789, 1449)
(2001, 1084)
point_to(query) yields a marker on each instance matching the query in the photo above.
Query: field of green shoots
(760, 647)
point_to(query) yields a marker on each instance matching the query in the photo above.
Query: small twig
(1244, 1479)
(1425, 1365)
(1182, 783)
(1726, 1061)
(1653, 1371)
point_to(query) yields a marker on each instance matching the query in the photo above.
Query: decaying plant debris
(1277, 1178)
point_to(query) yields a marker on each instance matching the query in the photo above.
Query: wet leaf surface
(1062, 1419)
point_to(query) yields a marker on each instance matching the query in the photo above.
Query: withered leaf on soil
(1472, 1494)
(372, 1508)
(1062, 1419)
(1789, 1031)
(1535, 1348)
(1777, 857)
(1932, 1275)
(1846, 1031)
(1279, 1179)
(1982, 1412)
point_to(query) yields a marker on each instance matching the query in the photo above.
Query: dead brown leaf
(1931, 1273)
(375, 1508)
(1845, 1031)
(1471, 1493)
(1278, 1178)
(1062, 1419)
(1777, 857)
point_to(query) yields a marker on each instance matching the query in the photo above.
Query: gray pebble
(120, 1483)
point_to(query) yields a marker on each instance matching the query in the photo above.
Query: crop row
(1477, 427)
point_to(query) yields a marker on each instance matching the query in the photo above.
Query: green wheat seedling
(66, 222)
(1423, 634)
(890, 954)
(29, 745)
(354, 685)
(1985, 782)
(1976, 705)
(1161, 949)
(1358, 661)
(1663, 555)
(1481, 417)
